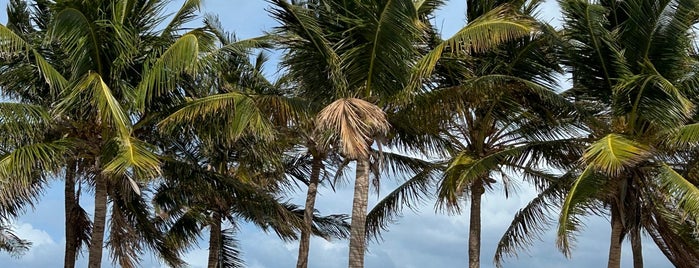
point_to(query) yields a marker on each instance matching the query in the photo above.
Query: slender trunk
(70, 202)
(305, 243)
(615, 239)
(359, 207)
(474, 231)
(214, 240)
(99, 221)
(636, 247)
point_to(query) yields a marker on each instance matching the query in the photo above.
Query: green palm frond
(410, 193)
(237, 112)
(22, 122)
(530, 222)
(685, 192)
(80, 38)
(496, 27)
(426, 7)
(684, 135)
(132, 156)
(165, 72)
(26, 162)
(380, 66)
(613, 153)
(463, 170)
(186, 14)
(13, 44)
(311, 58)
(583, 191)
(91, 91)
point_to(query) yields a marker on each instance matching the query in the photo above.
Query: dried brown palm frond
(355, 122)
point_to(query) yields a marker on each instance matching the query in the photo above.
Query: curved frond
(530, 222)
(165, 72)
(22, 122)
(304, 35)
(613, 153)
(488, 31)
(676, 185)
(187, 13)
(237, 112)
(355, 123)
(586, 186)
(29, 161)
(230, 250)
(135, 157)
(92, 91)
(10, 242)
(411, 192)
(79, 38)
(11, 43)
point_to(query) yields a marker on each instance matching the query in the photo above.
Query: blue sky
(419, 239)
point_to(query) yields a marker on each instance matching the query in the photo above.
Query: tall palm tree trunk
(359, 208)
(214, 240)
(474, 231)
(305, 243)
(99, 221)
(637, 247)
(615, 239)
(70, 202)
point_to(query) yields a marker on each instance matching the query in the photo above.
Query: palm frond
(686, 193)
(530, 222)
(38, 159)
(92, 91)
(186, 13)
(311, 58)
(464, 170)
(166, 71)
(21, 122)
(78, 36)
(408, 194)
(613, 153)
(11, 43)
(237, 112)
(498, 26)
(10, 242)
(131, 155)
(583, 191)
(230, 255)
(355, 123)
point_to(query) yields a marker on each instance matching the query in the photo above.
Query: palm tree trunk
(304, 244)
(214, 240)
(637, 248)
(615, 239)
(359, 208)
(474, 232)
(99, 221)
(71, 250)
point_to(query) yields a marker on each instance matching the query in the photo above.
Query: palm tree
(357, 59)
(488, 99)
(630, 64)
(32, 26)
(235, 172)
(103, 64)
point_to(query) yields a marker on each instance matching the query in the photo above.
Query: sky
(421, 238)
